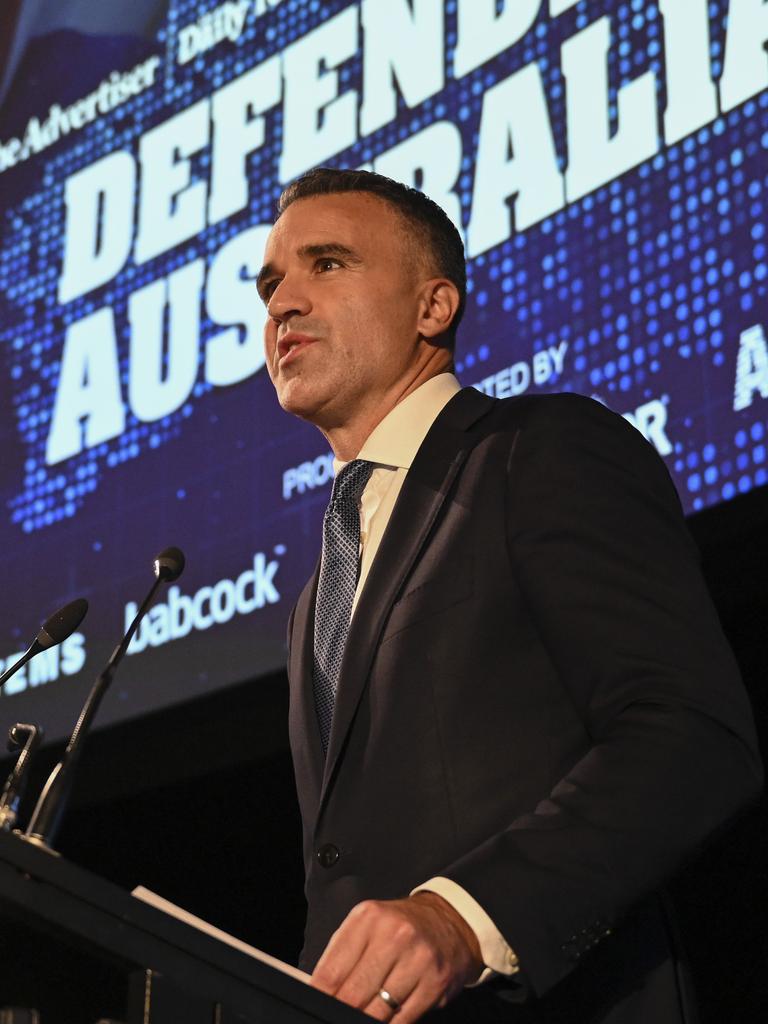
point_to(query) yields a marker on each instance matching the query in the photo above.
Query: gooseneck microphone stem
(27, 737)
(46, 818)
(33, 649)
(101, 685)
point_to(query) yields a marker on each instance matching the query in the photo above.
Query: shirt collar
(395, 441)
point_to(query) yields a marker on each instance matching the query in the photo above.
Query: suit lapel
(424, 491)
(305, 735)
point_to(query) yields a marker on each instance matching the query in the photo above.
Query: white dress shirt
(392, 448)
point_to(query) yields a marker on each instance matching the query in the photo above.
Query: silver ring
(389, 999)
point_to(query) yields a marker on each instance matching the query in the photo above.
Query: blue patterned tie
(339, 566)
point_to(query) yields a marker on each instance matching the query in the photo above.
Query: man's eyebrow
(328, 249)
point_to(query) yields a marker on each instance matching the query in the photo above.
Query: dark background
(198, 802)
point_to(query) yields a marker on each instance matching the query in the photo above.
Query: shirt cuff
(498, 956)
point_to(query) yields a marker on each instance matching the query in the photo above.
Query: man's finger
(366, 979)
(409, 996)
(381, 1009)
(348, 945)
(409, 1009)
(345, 948)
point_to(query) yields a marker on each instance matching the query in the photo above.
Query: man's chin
(297, 402)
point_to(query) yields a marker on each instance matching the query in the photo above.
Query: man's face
(341, 285)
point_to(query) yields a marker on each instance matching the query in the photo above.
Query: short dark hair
(435, 232)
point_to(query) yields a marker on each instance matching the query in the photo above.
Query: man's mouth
(291, 345)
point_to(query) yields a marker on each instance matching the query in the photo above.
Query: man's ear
(439, 303)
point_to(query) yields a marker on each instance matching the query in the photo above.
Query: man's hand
(419, 950)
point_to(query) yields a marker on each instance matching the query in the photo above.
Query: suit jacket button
(327, 855)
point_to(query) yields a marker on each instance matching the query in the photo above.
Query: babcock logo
(211, 605)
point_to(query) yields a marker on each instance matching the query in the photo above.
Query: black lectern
(77, 949)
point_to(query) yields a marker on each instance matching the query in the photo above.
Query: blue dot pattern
(339, 566)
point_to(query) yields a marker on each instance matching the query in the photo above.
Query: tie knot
(351, 481)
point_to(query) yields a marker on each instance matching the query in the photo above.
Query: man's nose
(288, 299)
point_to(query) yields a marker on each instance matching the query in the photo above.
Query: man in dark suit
(513, 712)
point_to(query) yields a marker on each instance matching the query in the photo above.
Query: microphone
(28, 737)
(58, 627)
(46, 817)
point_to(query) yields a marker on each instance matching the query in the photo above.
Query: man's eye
(327, 263)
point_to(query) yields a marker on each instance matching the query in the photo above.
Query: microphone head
(169, 564)
(62, 623)
(19, 734)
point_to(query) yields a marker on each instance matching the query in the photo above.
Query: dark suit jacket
(536, 701)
